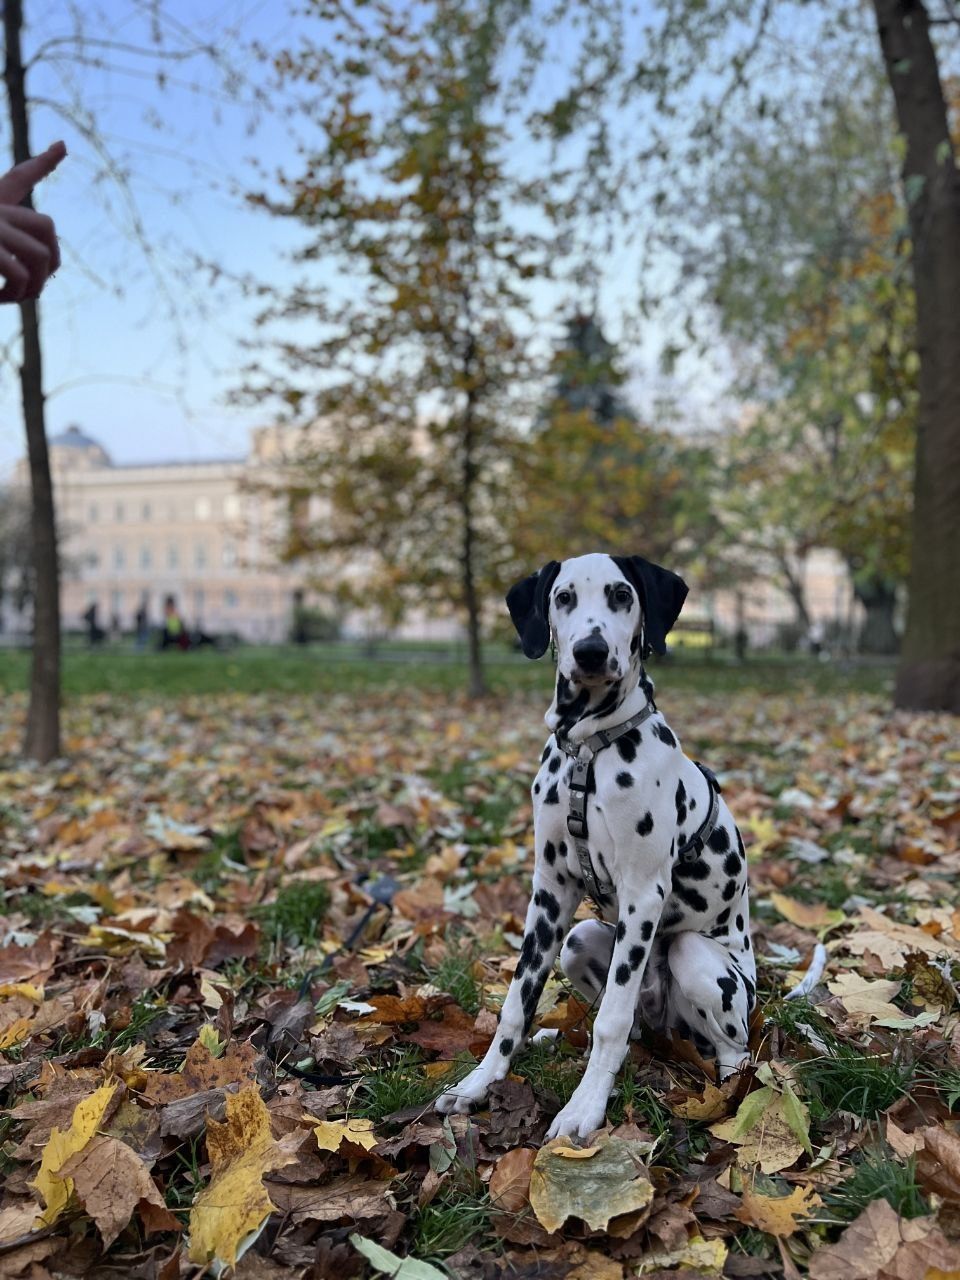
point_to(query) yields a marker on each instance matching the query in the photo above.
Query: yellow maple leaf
(18, 1030)
(28, 989)
(778, 1214)
(332, 1133)
(234, 1203)
(807, 915)
(86, 1120)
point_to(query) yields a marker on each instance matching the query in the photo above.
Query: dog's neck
(577, 711)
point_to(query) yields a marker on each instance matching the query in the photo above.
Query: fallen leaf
(331, 1134)
(816, 915)
(868, 1245)
(510, 1180)
(54, 1187)
(865, 1001)
(234, 1203)
(612, 1181)
(110, 1181)
(777, 1215)
(397, 1268)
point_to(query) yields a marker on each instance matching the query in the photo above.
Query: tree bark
(42, 741)
(477, 685)
(797, 592)
(878, 635)
(929, 673)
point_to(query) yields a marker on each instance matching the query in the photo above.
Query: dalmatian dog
(660, 855)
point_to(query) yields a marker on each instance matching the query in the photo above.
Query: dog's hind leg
(710, 1000)
(555, 898)
(585, 958)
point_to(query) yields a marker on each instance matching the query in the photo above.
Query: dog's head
(603, 612)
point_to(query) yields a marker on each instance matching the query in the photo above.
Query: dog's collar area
(582, 756)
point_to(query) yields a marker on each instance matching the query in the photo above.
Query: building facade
(199, 531)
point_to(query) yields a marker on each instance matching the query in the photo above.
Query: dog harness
(582, 754)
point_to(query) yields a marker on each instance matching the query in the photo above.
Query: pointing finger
(22, 178)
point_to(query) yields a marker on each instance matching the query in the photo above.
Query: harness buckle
(692, 848)
(576, 826)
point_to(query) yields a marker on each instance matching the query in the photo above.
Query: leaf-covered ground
(247, 938)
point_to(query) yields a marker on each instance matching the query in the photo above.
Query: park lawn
(179, 891)
(334, 668)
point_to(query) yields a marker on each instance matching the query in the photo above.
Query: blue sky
(115, 364)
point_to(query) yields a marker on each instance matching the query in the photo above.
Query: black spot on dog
(681, 799)
(627, 745)
(729, 889)
(751, 992)
(554, 765)
(549, 904)
(705, 1047)
(693, 803)
(544, 934)
(646, 930)
(690, 896)
(730, 1030)
(506, 1046)
(728, 989)
(739, 923)
(645, 825)
(664, 734)
(527, 952)
(723, 916)
(621, 931)
(624, 779)
(597, 969)
(562, 847)
(631, 909)
(546, 752)
(561, 878)
(559, 933)
(550, 853)
(660, 890)
(720, 931)
(732, 864)
(635, 956)
(746, 944)
(536, 788)
(719, 840)
(622, 976)
(702, 1013)
(672, 920)
(635, 643)
(552, 797)
(574, 944)
(692, 870)
(611, 590)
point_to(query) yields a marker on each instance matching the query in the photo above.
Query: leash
(583, 755)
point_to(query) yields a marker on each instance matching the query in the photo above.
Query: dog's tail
(813, 975)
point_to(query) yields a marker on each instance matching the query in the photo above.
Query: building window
(119, 557)
(118, 513)
(93, 560)
(145, 511)
(198, 599)
(173, 557)
(146, 559)
(229, 555)
(203, 508)
(116, 602)
(231, 506)
(230, 599)
(200, 556)
(92, 513)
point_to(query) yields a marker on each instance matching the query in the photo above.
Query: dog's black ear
(529, 605)
(661, 593)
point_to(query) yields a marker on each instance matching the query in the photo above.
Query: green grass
(878, 1177)
(455, 974)
(296, 913)
(396, 1082)
(850, 1080)
(345, 669)
(459, 1216)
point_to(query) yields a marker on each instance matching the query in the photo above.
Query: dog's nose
(590, 654)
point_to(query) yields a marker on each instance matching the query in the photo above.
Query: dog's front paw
(579, 1118)
(466, 1096)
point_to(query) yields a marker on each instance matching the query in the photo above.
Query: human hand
(29, 252)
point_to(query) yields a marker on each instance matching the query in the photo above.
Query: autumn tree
(814, 290)
(591, 476)
(420, 244)
(697, 67)
(71, 44)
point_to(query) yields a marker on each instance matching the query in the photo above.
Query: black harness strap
(692, 847)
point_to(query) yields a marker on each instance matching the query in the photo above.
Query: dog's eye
(562, 597)
(624, 595)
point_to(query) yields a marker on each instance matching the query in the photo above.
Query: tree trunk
(42, 740)
(929, 674)
(477, 685)
(879, 599)
(797, 592)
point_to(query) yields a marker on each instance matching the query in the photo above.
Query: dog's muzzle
(591, 654)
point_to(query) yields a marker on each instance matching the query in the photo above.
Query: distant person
(740, 643)
(116, 630)
(29, 251)
(174, 635)
(815, 638)
(142, 624)
(95, 632)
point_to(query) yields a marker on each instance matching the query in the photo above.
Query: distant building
(194, 530)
